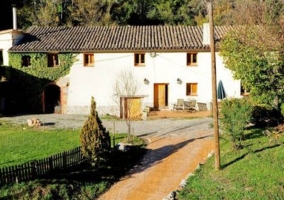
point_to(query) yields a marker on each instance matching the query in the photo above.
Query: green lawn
(254, 172)
(20, 144)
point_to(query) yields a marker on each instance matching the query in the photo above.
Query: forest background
(121, 12)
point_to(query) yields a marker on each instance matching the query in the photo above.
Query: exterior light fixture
(146, 81)
(179, 81)
(153, 54)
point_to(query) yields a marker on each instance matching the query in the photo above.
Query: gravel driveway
(157, 127)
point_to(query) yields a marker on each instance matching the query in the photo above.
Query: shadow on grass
(119, 164)
(253, 133)
(48, 124)
(245, 154)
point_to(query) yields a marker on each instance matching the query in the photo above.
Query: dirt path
(167, 163)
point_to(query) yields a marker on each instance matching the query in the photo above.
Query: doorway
(1, 58)
(160, 96)
(51, 98)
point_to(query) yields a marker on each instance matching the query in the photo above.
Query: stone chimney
(14, 17)
(206, 34)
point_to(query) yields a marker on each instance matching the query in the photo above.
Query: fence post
(34, 169)
(1, 177)
(31, 170)
(50, 163)
(113, 135)
(64, 160)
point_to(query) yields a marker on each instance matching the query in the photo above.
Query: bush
(282, 109)
(266, 116)
(95, 140)
(236, 114)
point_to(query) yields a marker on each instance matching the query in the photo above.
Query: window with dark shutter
(52, 60)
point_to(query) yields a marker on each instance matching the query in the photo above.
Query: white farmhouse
(168, 63)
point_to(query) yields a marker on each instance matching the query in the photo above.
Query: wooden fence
(37, 168)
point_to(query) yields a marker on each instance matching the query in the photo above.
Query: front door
(160, 95)
(51, 98)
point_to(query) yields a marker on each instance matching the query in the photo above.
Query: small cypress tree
(95, 140)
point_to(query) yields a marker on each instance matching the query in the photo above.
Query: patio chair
(179, 105)
(202, 106)
(190, 105)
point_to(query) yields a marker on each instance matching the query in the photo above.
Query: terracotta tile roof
(114, 38)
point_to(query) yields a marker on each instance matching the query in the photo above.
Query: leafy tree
(122, 12)
(40, 13)
(90, 12)
(126, 84)
(133, 12)
(172, 12)
(46, 14)
(254, 51)
(95, 140)
(149, 12)
(222, 11)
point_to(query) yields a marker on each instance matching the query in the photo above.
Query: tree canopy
(254, 49)
(108, 12)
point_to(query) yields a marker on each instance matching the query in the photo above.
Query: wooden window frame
(191, 59)
(52, 59)
(26, 61)
(190, 90)
(139, 59)
(89, 59)
(244, 91)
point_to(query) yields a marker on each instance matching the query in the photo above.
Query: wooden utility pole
(214, 88)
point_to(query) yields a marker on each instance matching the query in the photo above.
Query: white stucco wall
(7, 39)
(98, 81)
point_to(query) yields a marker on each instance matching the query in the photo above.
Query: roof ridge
(113, 38)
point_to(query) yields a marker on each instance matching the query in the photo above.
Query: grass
(21, 144)
(254, 172)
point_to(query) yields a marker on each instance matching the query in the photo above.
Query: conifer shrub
(236, 114)
(94, 138)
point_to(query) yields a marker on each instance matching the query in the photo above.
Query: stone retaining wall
(85, 110)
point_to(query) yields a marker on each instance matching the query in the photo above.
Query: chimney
(14, 16)
(206, 34)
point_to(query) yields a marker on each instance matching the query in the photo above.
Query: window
(26, 61)
(139, 59)
(89, 60)
(191, 59)
(52, 60)
(244, 91)
(191, 89)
